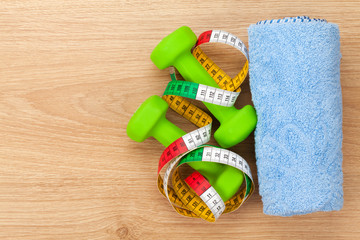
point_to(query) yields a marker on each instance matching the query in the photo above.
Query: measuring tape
(202, 93)
(194, 196)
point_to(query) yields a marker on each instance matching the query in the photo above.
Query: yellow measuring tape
(184, 199)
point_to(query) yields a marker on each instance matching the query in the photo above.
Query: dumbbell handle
(166, 132)
(192, 71)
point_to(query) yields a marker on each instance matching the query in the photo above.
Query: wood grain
(73, 72)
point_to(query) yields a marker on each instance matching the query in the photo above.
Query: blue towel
(295, 85)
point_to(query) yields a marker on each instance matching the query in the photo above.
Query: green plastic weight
(175, 50)
(150, 121)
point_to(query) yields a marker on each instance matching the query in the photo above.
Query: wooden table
(73, 72)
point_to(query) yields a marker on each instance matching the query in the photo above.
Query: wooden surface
(73, 72)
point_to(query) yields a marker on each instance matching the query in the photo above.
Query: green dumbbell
(175, 50)
(150, 121)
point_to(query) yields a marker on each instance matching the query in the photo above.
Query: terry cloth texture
(295, 85)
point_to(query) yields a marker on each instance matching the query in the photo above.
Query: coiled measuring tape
(194, 196)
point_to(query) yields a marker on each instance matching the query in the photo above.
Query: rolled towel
(295, 85)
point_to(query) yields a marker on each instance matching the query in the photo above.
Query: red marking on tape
(198, 183)
(204, 38)
(173, 150)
